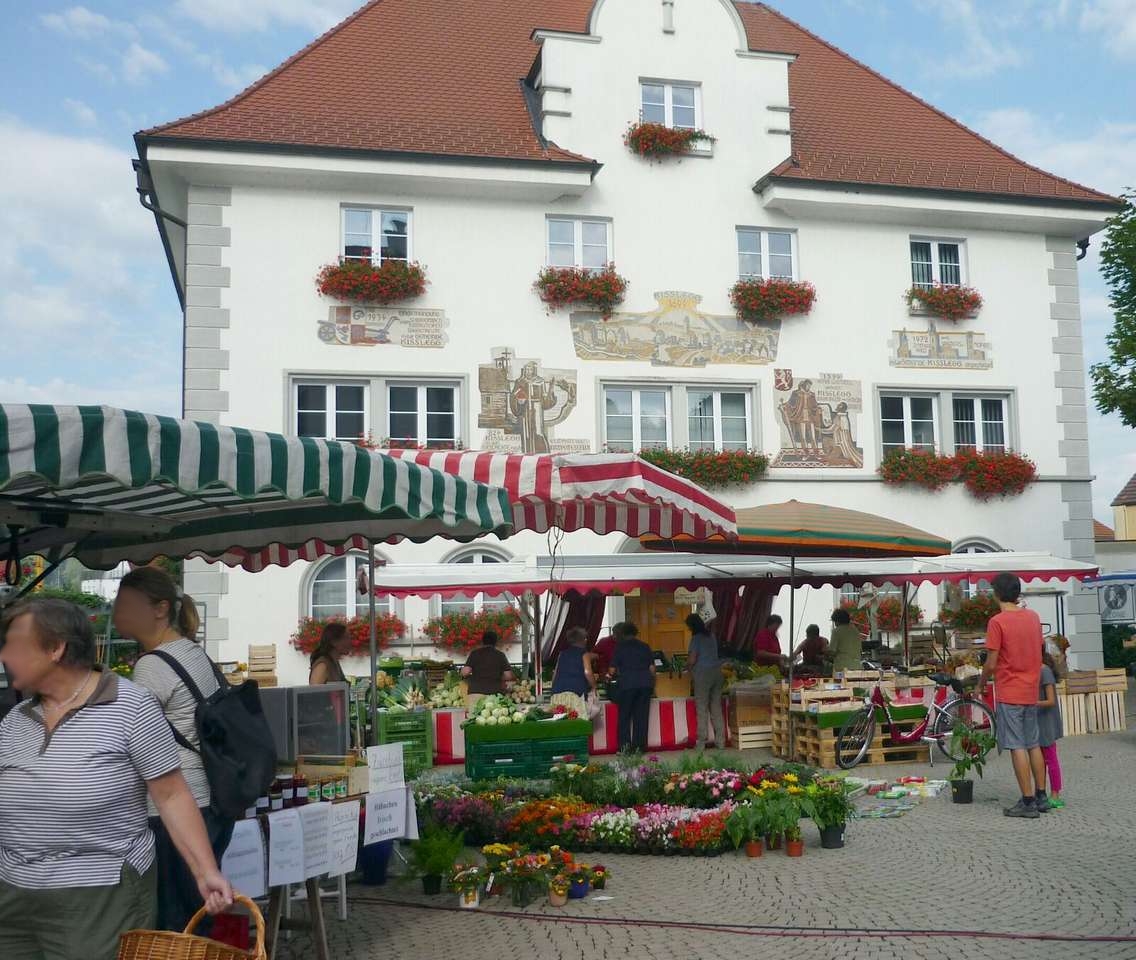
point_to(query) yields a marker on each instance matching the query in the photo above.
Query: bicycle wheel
(855, 737)
(972, 713)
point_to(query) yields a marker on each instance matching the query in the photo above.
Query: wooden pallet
(1104, 712)
(1073, 719)
(1095, 681)
(751, 737)
(817, 745)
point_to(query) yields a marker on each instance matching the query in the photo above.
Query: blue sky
(87, 310)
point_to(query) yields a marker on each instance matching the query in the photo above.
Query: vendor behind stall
(812, 649)
(334, 644)
(845, 645)
(575, 667)
(486, 669)
(767, 645)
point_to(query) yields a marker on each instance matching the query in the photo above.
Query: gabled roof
(1102, 531)
(1127, 495)
(446, 78)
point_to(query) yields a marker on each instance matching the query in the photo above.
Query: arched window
(480, 601)
(975, 545)
(332, 591)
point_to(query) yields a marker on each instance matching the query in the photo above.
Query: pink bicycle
(855, 737)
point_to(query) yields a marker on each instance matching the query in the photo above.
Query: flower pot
(524, 893)
(773, 843)
(753, 848)
(431, 885)
(373, 861)
(599, 883)
(469, 899)
(832, 838)
(578, 890)
(557, 899)
(795, 848)
(962, 791)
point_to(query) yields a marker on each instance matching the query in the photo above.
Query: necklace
(71, 699)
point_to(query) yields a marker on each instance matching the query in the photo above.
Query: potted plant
(525, 876)
(828, 805)
(599, 876)
(581, 877)
(657, 140)
(558, 887)
(465, 881)
(757, 300)
(972, 747)
(362, 281)
(434, 853)
(948, 301)
(746, 825)
(600, 289)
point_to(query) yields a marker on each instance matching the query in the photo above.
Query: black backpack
(237, 749)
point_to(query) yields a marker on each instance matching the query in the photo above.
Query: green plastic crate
(400, 725)
(487, 761)
(529, 730)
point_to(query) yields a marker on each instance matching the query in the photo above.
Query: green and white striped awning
(108, 485)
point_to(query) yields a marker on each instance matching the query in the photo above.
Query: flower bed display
(711, 469)
(756, 299)
(361, 281)
(388, 628)
(463, 631)
(946, 301)
(985, 475)
(656, 140)
(602, 290)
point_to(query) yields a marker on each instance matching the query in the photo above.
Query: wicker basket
(165, 945)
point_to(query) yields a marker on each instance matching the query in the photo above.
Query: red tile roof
(1127, 495)
(1102, 531)
(445, 77)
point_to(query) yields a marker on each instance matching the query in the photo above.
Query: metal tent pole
(792, 635)
(906, 642)
(374, 642)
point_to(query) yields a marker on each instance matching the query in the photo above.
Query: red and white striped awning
(604, 492)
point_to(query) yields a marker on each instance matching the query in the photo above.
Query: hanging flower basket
(889, 615)
(946, 301)
(755, 299)
(463, 631)
(711, 468)
(391, 281)
(602, 290)
(656, 140)
(388, 628)
(973, 613)
(985, 475)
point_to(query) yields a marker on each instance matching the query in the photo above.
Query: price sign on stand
(343, 839)
(243, 862)
(285, 848)
(386, 815)
(385, 767)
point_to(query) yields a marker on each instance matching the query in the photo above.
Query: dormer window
(673, 105)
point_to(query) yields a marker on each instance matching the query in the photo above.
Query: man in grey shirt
(705, 667)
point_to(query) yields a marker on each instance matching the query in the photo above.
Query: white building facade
(527, 167)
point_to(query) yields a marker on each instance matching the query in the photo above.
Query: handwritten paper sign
(316, 820)
(386, 815)
(385, 768)
(243, 862)
(343, 839)
(285, 848)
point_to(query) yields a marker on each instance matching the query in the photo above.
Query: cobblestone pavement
(941, 867)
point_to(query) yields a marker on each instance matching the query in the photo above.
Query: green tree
(1114, 381)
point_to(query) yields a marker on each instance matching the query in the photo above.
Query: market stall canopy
(814, 530)
(605, 493)
(108, 485)
(622, 573)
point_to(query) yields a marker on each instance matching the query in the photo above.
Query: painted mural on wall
(384, 326)
(934, 349)
(521, 403)
(675, 334)
(818, 418)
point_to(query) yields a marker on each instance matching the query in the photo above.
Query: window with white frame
(766, 254)
(334, 592)
(718, 419)
(936, 261)
(851, 594)
(575, 242)
(980, 423)
(636, 418)
(671, 104)
(376, 235)
(331, 410)
(479, 602)
(908, 421)
(423, 414)
(970, 589)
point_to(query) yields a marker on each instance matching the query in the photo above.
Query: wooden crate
(751, 737)
(1073, 720)
(1112, 681)
(816, 744)
(1104, 712)
(810, 699)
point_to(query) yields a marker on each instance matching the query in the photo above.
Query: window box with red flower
(362, 281)
(656, 141)
(710, 468)
(755, 299)
(600, 289)
(407, 443)
(388, 628)
(986, 474)
(947, 301)
(463, 631)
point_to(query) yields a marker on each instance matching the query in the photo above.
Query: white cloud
(149, 396)
(81, 113)
(224, 15)
(229, 77)
(984, 50)
(1116, 20)
(79, 22)
(138, 62)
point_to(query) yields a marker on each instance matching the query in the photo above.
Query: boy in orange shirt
(1013, 644)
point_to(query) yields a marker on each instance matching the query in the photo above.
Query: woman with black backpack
(153, 610)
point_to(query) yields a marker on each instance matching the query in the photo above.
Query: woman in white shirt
(152, 609)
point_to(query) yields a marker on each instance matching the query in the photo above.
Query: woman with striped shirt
(78, 761)
(152, 609)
